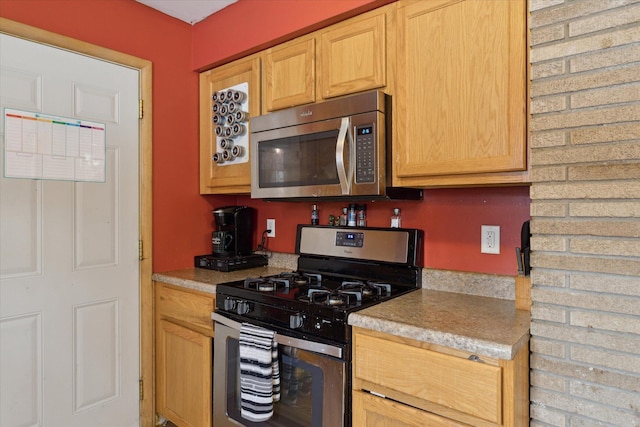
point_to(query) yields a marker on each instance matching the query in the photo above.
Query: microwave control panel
(365, 153)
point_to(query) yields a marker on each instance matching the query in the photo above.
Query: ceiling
(189, 11)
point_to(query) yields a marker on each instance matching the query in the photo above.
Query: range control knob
(295, 321)
(242, 307)
(229, 304)
(321, 324)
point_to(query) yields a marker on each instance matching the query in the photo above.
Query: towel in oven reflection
(295, 381)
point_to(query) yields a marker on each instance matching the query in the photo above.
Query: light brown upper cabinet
(460, 101)
(456, 71)
(289, 75)
(230, 177)
(348, 57)
(353, 54)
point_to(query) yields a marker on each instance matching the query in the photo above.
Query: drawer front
(466, 386)
(371, 411)
(186, 307)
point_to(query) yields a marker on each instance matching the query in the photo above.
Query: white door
(69, 269)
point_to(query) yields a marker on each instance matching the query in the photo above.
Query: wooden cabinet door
(183, 335)
(289, 74)
(185, 307)
(461, 90)
(225, 179)
(183, 375)
(425, 384)
(446, 384)
(353, 55)
(374, 411)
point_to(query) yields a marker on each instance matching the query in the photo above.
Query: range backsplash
(481, 284)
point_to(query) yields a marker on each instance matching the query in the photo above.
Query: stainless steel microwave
(331, 149)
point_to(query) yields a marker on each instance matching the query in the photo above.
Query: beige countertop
(484, 326)
(206, 280)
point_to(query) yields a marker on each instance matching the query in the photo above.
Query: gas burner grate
(332, 297)
(264, 284)
(282, 281)
(347, 293)
(366, 289)
(299, 279)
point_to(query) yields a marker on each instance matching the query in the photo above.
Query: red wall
(257, 24)
(451, 218)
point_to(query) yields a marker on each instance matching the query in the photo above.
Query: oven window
(304, 160)
(301, 389)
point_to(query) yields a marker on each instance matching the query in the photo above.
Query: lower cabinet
(371, 410)
(403, 382)
(184, 332)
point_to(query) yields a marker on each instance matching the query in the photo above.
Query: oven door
(312, 381)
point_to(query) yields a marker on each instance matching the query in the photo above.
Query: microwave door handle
(343, 134)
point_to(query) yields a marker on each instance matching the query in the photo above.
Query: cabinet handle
(475, 358)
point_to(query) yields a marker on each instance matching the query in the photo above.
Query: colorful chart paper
(41, 146)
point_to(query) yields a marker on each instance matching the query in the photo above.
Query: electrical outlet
(490, 239)
(271, 226)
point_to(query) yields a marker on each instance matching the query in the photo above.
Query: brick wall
(585, 209)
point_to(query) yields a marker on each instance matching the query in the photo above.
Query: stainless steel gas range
(340, 270)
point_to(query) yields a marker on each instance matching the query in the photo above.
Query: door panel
(21, 88)
(94, 103)
(23, 257)
(22, 368)
(96, 358)
(96, 219)
(69, 253)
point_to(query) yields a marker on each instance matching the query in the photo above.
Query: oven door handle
(312, 346)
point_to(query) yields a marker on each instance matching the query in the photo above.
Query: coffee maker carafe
(233, 235)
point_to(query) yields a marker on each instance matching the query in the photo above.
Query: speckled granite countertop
(206, 280)
(481, 325)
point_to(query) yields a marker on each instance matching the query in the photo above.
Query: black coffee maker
(233, 235)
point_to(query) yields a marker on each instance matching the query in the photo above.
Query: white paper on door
(42, 146)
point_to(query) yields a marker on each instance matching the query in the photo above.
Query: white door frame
(13, 28)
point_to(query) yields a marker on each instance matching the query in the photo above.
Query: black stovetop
(322, 294)
(316, 299)
(311, 309)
